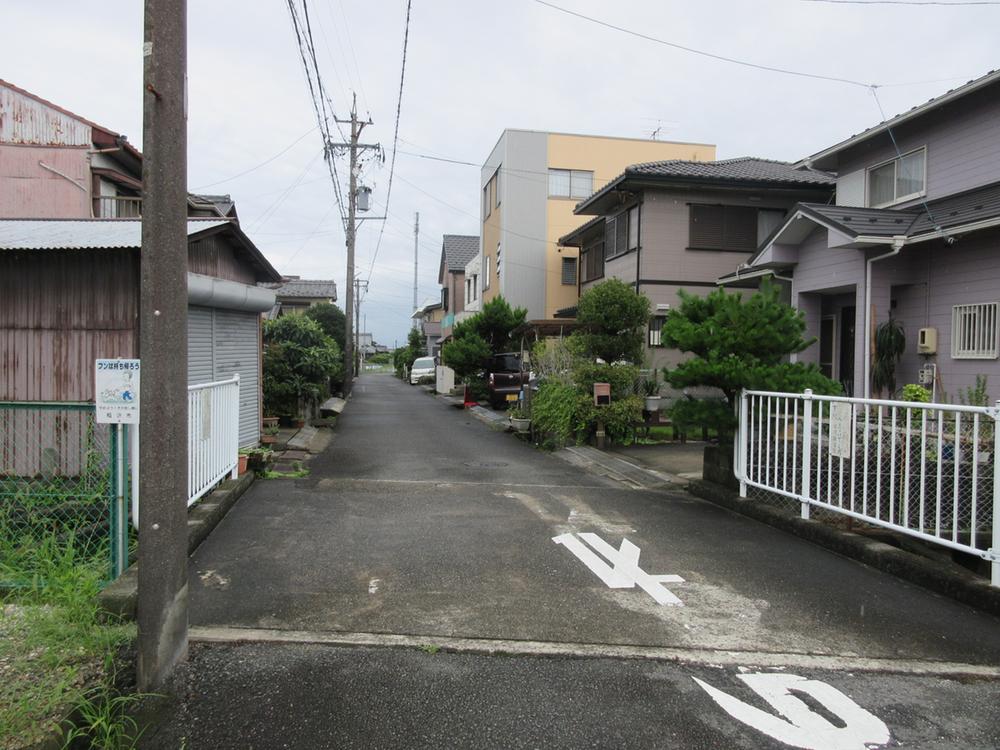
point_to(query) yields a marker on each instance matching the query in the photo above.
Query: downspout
(897, 245)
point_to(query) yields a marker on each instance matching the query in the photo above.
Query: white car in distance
(422, 370)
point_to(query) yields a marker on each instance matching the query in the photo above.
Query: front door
(847, 349)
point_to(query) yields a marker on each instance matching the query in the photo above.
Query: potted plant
(519, 420)
(268, 422)
(651, 391)
(270, 435)
(258, 459)
(243, 457)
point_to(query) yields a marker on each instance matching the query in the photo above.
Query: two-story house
(914, 235)
(670, 225)
(456, 252)
(530, 184)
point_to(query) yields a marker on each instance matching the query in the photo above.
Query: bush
(916, 393)
(553, 411)
(466, 355)
(301, 365)
(612, 318)
(618, 417)
(331, 319)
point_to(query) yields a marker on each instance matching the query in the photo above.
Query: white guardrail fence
(213, 434)
(927, 470)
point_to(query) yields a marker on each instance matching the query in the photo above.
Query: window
(592, 260)
(656, 330)
(897, 180)
(496, 182)
(974, 331)
(444, 298)
(731, 228)
(498, 261)
(569, 271)
(487, 203)
(570, 183)
(486, 274)
(621, 233)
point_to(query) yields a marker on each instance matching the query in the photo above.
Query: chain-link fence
(60, 488)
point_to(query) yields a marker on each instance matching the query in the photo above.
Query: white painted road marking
(802, 727)
(626, 572)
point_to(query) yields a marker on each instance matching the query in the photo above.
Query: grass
(57, 654)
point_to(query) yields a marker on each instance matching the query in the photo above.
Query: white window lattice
(974, 331)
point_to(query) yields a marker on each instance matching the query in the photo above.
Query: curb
(966, 588)
(121, 597)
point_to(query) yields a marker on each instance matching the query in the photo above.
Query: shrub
(618, 417)
(301, 364)
(553, 410)
(916, 393)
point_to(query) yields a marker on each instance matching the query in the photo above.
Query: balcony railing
(119, 207)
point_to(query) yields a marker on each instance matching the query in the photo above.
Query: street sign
(116, 391)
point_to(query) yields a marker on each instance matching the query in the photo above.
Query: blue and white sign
(116, 391)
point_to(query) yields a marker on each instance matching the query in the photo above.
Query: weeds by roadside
(57, 653)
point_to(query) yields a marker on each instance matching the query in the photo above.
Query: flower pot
(268, 439)
(243, 458)
(520, 424)
(300, 423)
(269, 422)
(653, 403)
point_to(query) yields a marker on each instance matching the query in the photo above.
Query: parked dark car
(505, 374)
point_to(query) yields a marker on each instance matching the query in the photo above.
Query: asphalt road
(420, 521)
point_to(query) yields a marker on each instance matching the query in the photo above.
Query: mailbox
(602, 394)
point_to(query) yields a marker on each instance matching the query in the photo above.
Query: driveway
(420, 525)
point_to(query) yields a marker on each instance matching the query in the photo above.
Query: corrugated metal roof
(81, 234)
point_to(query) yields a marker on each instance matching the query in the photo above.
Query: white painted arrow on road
(624, 571)
(801, 726)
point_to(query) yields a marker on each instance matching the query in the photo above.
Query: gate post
(741, 443)
(806, 485)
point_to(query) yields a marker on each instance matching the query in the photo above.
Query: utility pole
(163, 604)
(352, 212)
(416, 239)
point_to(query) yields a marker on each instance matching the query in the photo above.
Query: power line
(723, 58)
(264, 163)
(395, 136)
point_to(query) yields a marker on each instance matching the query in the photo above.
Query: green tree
(301, 365)
(466, 354)
(404, 357)
(331, 319)
(612, 318)
(736, 344)
(494, 323)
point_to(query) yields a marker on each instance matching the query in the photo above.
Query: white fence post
(235, 448)
(741, 447)
(995, 548)
(806, 450)
(213, 435)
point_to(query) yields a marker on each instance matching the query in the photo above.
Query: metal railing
(213, 434)
(930, 471)
(119, 207)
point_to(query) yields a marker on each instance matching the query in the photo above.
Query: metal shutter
(200, 368)
(569, 271)
(707, 227)
(237, 351)
(741, 228)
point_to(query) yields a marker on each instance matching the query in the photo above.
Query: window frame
(656, 333)
(570, 173)
(488, 269)
(626, 216)
(496, 180)
(986, 313)
(487, 203)
(576, 271)
(895, 160)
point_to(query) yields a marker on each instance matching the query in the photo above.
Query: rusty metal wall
(26, 120)
(59, 311)
(214, 256)
(30, 191)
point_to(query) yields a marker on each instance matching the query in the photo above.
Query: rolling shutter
(200, 366)
(723, 228)
(237, 351)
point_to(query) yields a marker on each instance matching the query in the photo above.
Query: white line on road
(702, 656)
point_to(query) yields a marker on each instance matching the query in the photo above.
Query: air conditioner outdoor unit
(927, 341)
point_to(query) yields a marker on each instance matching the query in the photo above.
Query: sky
(474, 68)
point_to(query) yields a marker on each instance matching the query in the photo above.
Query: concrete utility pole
(162, 607)
(352, 211)
(416, 244)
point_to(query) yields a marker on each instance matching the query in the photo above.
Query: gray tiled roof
(955, 210)
(743, 169)
(306, 289)
(459, 249)
(82, 234)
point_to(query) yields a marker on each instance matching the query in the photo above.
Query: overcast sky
(474, 68)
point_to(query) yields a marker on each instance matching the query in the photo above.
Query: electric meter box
(927, 341)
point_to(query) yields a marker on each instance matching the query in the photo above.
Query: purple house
(914, 235)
